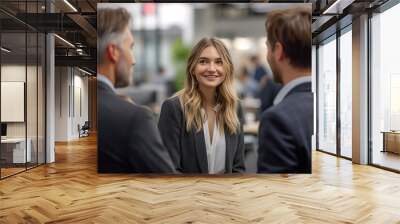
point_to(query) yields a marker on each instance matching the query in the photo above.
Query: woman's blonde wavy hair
(190, 96)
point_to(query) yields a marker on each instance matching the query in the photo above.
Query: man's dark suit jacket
(268, 93)
(285, 133)
(188, 149)
(128, 138)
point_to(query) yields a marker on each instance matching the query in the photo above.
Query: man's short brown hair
(292, 29)
(111, 24)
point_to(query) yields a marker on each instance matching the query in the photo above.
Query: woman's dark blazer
(188, 149)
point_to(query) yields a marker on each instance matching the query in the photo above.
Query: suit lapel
(200, 146)
(230, 147)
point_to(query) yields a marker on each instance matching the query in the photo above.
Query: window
(385, 89)
(346, 93)
(327, 96)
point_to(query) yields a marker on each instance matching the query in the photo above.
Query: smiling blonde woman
(200, 124)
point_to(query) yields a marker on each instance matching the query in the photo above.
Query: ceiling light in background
(5, 50)
(65, 41)
(70, 5)
(242, 43)
(337, 7)
(84, 71)
(79, 44)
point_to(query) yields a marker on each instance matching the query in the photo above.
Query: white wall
(17, 73)
(81, 104)
(61, 103)
(14, 73)
(71, 94)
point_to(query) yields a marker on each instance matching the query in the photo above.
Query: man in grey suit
(286, 128)
(128, 138)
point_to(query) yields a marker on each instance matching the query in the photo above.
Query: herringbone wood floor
(70, 191)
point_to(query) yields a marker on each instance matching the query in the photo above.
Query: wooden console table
(391, 141)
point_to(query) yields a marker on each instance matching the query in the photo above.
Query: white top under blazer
(215, 147)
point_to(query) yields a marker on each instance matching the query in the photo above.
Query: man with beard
(128, 138)
(286, 128)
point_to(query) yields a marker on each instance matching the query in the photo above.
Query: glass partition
(31, 99)
(14, 153)
(22, 76)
